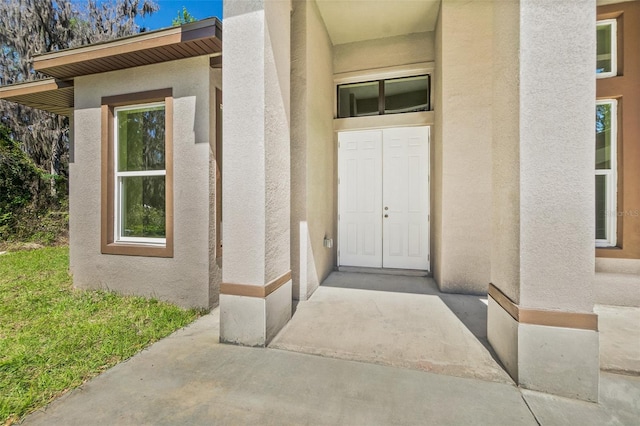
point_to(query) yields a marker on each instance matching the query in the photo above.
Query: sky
(200, 9)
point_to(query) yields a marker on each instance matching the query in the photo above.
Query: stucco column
(540, 320)
(255, 299)
(461, 174)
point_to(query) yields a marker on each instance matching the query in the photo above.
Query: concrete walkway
(400, 321)
(191, 379)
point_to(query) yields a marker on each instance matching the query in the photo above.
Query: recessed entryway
(383, 192)
(394, 320)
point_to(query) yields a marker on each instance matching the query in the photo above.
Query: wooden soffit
(194, 39)
(50, 94)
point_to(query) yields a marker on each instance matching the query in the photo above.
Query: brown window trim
(107, 243)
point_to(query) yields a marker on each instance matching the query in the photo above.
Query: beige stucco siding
(556, 167)
(312, 150)
(462, 148)
(183, 279)
(384, 52)
(436, 158)
(505, 260)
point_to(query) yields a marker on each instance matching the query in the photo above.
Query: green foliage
(183, 17)
(32, 27)
(53, 338)
(144, 220)
(17, 174)
(28, 211)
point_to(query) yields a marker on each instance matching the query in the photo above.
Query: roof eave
(189, 40)
(52, 95)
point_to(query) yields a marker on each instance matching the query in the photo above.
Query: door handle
(386, 215)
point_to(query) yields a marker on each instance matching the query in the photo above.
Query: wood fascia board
(133, 44)
(33, 87)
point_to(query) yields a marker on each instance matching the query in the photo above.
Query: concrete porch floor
(189, 378)
(400, 321)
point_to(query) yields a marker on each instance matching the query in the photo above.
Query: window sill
(137, 249)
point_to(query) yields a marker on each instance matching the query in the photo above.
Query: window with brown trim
(137, 174)
(619, 60)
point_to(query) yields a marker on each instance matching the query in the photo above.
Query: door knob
(386, 215)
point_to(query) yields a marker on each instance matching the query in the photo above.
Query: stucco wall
(505, 255)
(277, 138)
(556, 166)
(256, 170)
(183, 279)
(463, 146)
(312, 150)
(436, 158)
(384, 52)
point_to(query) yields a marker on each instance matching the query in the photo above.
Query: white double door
(383, 191)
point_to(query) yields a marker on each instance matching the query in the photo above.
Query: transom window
(140, 214)
(390, 96)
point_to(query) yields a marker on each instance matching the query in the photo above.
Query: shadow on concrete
(378, 282)
(471, 310)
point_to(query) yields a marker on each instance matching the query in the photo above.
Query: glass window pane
(603, 136)
(604, 59)
(601, 207)
(143, 206)
(358, 100)
(141, 139)
(406, 95)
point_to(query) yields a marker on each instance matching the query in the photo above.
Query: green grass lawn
(53, 338)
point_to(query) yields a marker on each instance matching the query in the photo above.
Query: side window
(607, 58)
(606, 138)
(140, 174)
(137, 189)
(617, 144)
(606, 172)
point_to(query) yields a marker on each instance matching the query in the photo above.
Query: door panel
(406, 198)
(360, 198)
(384, 198)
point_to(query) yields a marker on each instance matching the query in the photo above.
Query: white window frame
(611, 209)
(118, 184)
(614, 48)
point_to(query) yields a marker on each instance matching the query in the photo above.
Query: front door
(384, 198)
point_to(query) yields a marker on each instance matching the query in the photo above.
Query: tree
(32, 27)
(183, 18)
(24, 190)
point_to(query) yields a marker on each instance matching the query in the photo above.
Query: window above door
(384, 96)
